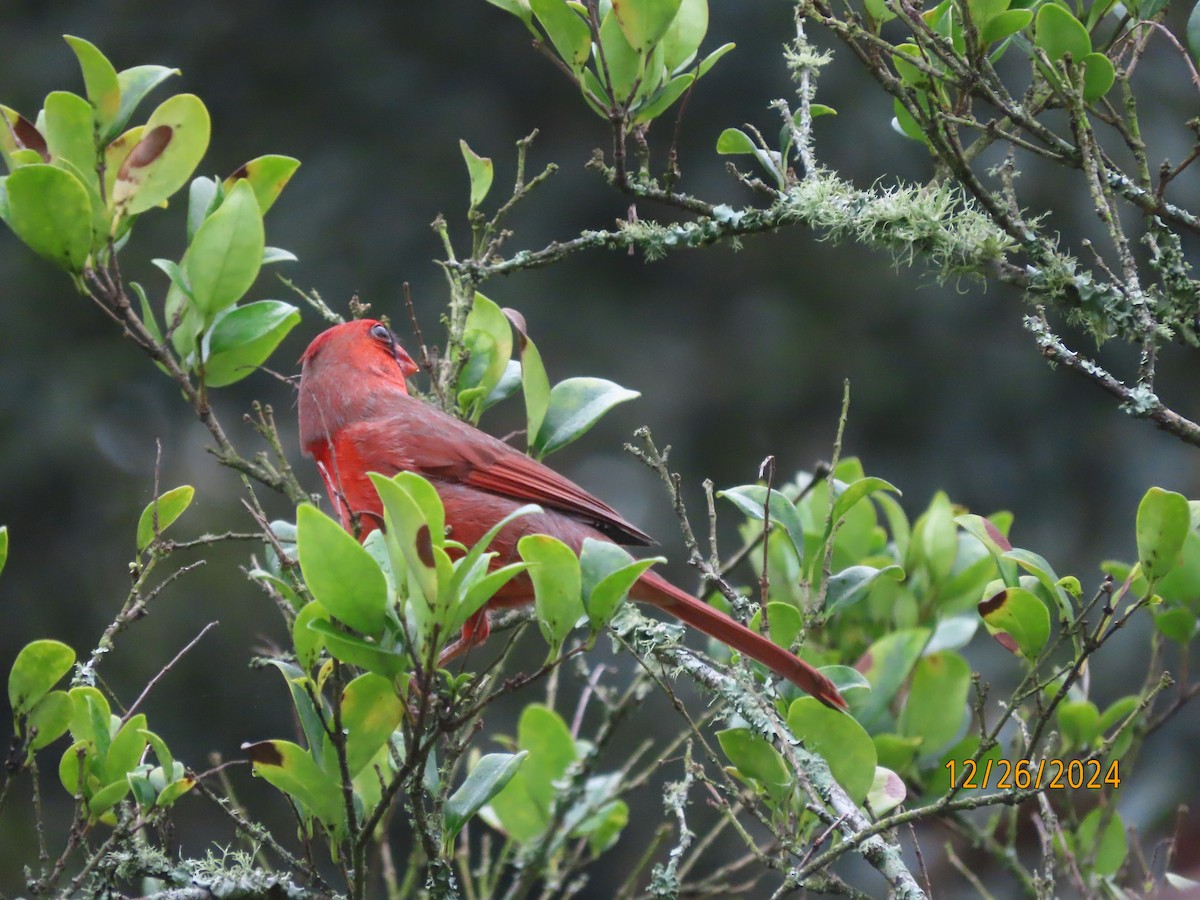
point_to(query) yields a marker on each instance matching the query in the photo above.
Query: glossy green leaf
(1193, 32)
(576, 404)
(535, 384)
(69, 127)
(50, 718)
(91, 720)
(844, 744)
(1017, 619)
(645, 22)
(1108, 848)
(243, 337)
(480, 171)
(371, 711)
(624, 64)
(847, 587)
(306, 641)
(172, 145)
(125, 751)
(226, 254)
(519, 8)
(1163, 522)
(349, 648)
(1098, 77)
(785, 621)
(734, 141)
(487, 779)
(291, 769)
(662, 100)
(1058, 32)
(554, 570)
(752, 500)
(100, 79)
(607, 573)
(711, 60)
(135, 84)
(49, 209)
(937, 700)
(160, 513)
(1038, 567)
(895, 751)
(487, 339)
(685, 34)
(1005, 24)
(953, 632)
(3, 546)
(755, 758)
(567, 31)
(267, 175)
(417, 532)
(886, 665)
(339, 572)
(38, 667)
(523, 806)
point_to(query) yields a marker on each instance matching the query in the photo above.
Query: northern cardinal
(356, 416)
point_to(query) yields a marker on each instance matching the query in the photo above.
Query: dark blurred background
(737, 354)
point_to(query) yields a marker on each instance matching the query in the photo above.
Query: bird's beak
(407, 366)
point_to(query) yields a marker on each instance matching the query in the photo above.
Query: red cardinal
(356, 416)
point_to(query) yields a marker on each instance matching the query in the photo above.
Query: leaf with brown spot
(292, 769)
(1018, 620)
(18, 133)
(163, 161)
(267, 175)
(425, 546)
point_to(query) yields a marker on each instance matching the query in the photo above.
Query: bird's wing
(419, 438)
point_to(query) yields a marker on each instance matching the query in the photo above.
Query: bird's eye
(381, 333)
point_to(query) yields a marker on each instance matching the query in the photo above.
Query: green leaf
(135, 84)
(938, 538)
(160, 513)
(523, 806)
(19, 136)
(937, 700)
(886, 665)
(685, 34)
(243, 337)
(661, 101)
(534, 382)
(645, 22)
(339, 572)
(1108, 848)
(487, 779)
(568, 32)
(1078, 722)
(1037, 566)
(625, 64)
(1006, 23)
(267, 175)
(50, 717)
(417, 531)
(878, 11)
(755, 758)
(38, 667)
(3, 546)
(480, 170)
(734, 142)
(100, 79)
(711, 60)
(1098, 77)
(69, 125)
(837, 737)
(49, 209)
(519, 8)
(487, 339)
(125, 751)
(371, 711)
(751, 499)
(291, 769)
(554, 570)
(171, 147)
(226, 254)
(1177, 624)
(1059, 33)
(1017, 619)
(1163, 521)
(576, 404)
(983, 11)
(1193, 31)
(852, 584)
(607, 573)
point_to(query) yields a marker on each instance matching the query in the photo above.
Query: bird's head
(365, 346)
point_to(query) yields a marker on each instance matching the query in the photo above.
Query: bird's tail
(652, 588)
